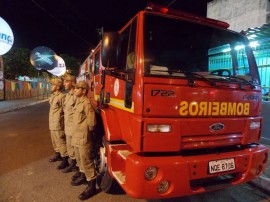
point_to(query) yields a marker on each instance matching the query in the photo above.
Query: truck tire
(108, 184)
(104, 180)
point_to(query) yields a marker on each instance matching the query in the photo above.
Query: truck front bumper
(188, 175)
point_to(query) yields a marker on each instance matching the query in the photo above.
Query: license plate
(221, 165)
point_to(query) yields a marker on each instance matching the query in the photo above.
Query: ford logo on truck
(216, 127)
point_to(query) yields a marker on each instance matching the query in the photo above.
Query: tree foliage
(72, 64)
(17, 63)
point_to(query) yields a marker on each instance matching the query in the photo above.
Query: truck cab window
(96, 67)
(195, 48)
(127, 60)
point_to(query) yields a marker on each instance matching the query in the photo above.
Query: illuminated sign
(43, 58)
(6, 37)
(60, 69)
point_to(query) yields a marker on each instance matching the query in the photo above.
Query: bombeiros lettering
(213, 108)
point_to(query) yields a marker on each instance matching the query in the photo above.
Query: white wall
(240, 14)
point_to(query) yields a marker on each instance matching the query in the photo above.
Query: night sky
(69, 26)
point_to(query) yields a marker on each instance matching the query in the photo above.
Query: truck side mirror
(110, 49)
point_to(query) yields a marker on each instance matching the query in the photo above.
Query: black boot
(76, 175)
(89, 191)
(80, 180)
(56, 157)
(71, 167)
(63, 164)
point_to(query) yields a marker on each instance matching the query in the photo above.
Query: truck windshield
(179, 49)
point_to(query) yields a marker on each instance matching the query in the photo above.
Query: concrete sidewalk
(12, 105)
(263, 182)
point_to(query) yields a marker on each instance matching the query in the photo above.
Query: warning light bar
(162, 9)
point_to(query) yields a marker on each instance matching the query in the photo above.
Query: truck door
(130, 64)
(96, 85)
(119, 79)
(91, 77)
(127, 61)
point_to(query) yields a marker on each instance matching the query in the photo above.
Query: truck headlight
(255, 125)
(150, 173)
(159, 128)
(163, 187)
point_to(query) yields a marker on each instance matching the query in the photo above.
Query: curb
(22, 106)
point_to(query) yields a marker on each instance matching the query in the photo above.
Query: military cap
(81, 84)
(68, 77)
(56, 81)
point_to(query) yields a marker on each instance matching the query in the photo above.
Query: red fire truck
(178, 101)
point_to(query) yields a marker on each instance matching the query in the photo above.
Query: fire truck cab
(178, 101)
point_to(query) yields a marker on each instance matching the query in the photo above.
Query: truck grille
(208, 141)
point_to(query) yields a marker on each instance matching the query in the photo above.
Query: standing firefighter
(69, 106)
(56, 123)
(84, 122)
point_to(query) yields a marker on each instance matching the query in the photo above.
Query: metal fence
(265, 93)
(262, 56)
(220, 59)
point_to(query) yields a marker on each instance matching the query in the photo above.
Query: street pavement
(263, 182)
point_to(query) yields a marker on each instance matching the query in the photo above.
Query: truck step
(124, 153)
(119, 176)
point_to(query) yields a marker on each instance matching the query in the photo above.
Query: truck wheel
(104, 180)
(108, 184)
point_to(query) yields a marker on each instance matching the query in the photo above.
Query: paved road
(27, 176)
